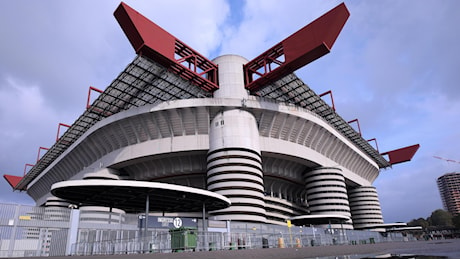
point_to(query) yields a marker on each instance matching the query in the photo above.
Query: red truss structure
(154, 42)
(306, 45)
(40, 149)
(59, 130)
(401, 155)
(12, 180)
(329, 92)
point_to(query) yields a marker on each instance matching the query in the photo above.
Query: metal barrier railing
(167, 242)
(27, 231)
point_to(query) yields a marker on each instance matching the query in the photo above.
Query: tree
(440, 218)
(456, 221)
(419, 222)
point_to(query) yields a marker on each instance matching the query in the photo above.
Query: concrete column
(327, 192)
(231, 77)
(72, 234)
(234, 161)
(365, 207)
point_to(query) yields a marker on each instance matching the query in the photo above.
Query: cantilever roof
(291, 89)
(146, 82)
(131, 195)
(319, 219)
(142, 82)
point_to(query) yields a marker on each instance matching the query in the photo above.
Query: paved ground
(439, 248)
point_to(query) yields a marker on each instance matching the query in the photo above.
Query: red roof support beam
(59, 129)
(306, 45)
(376, 145)
(93, 108)
(357, 122)
(332, 97)
(152, 41)
(12, 180)
(39, 149)
(25, 167)
(401, 155)
(91, 88)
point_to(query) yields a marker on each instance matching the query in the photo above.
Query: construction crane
(451, 167)
(447, 160)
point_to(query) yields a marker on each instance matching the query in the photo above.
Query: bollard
(280, 242)
(265, 243)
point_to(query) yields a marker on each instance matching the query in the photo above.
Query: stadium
(227, 139)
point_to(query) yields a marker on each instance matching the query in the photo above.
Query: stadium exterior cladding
(251, 131)
(173, 142)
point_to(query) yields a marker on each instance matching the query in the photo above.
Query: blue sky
(395, 67)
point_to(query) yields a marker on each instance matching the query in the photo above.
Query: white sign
(177, 222)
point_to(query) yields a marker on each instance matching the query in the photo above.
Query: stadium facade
(251, 131)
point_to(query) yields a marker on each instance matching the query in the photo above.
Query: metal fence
(163, 242)
(27, 231)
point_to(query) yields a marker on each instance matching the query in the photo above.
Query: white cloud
(28, 122)
(25, 101)
(265, 23)
(196, 23)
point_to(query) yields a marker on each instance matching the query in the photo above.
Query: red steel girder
(357, 123)
(88, 100)
(332, 97)
(25, 167)
(401, 155)
(375, 141)
(39, 149)
(59, 130)
(12, 180)
(306, 45)
(152, 41)
(92, 108)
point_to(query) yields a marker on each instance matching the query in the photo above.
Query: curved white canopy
(130, 195)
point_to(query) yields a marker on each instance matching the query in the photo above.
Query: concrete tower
(234, 158)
